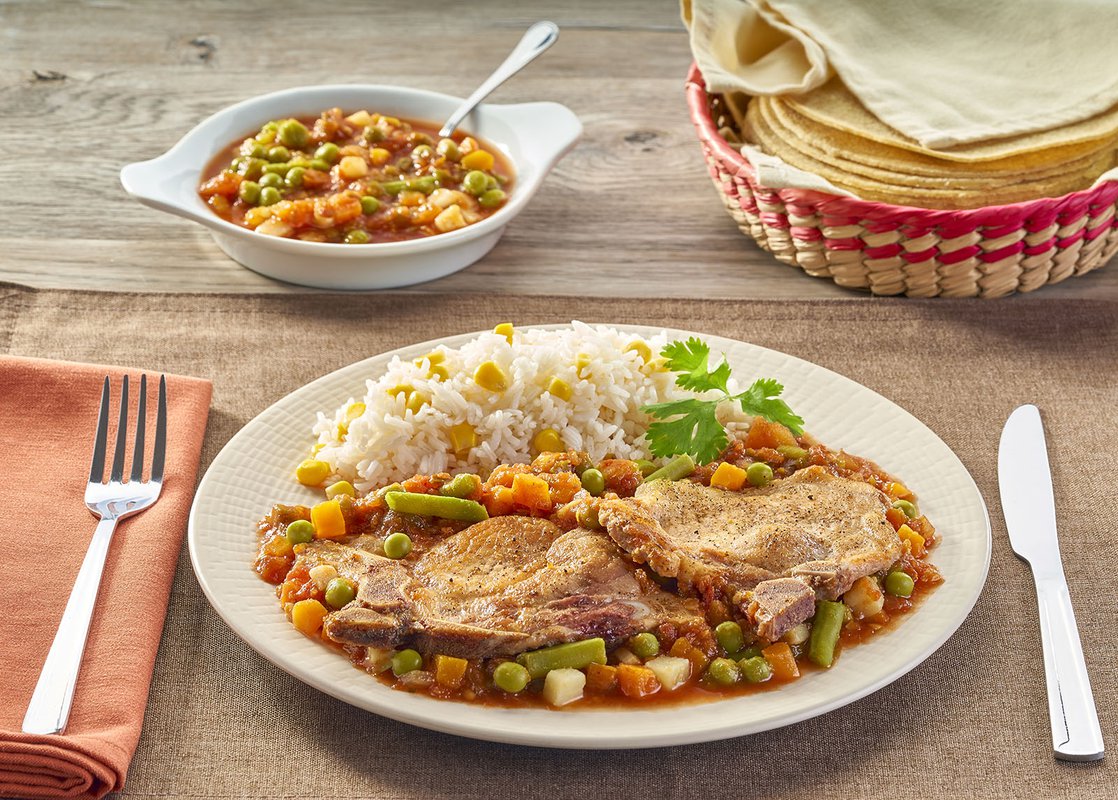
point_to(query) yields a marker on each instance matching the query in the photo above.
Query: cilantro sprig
(691, 426)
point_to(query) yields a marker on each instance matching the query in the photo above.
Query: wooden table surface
(89, 87)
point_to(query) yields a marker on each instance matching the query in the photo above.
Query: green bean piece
(511, 677)
(825, 631)
(587, 518)
(792, 452)
(899, 584)
(425, 184)
(249, 192)
(593, 481)
(676, 469)
(462, 485)
(276, 169)
(575, 655)
(397, 545)
(729, 636)
(374, 188)
(269, 196)
(393, 187)
(271, 179)
(475, 182)
(356, 237)
(759, 474)
(433, 505)
(293, 133)
(449, 149)
(369, 205)
(492, 198)
(908, 508)
(645, 466)
(328, 152)
(755, 669)
(294, 177)
(724, 672)
(645, 645)
(339, 592)
(406, 661)
(278, 154)
(300, 531)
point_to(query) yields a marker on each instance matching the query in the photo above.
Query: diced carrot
(728, 476)
(763, 433)
(915, 540)
(531, 491)
(896, 518)
(503, 474)
(898, 490)
(684, 649)
(498, 501)
(782, 661)
(564, 486)
(449, 671)
(307, 616)
(329, 523)
(635, 681)
(601, 678)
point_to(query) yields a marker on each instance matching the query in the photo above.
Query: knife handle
(1076, 735)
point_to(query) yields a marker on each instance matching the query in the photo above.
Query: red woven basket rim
(1074, 204)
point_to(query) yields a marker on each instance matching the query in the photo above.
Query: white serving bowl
(533, 136)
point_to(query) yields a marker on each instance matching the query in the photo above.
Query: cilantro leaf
(695, 429)
(761, 400)
(690, 360)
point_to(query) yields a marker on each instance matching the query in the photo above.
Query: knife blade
(1029, 508)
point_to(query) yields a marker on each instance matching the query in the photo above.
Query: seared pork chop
(824, 531)
(503, 586)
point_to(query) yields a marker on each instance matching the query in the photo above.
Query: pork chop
(822, 530)
(503, 586)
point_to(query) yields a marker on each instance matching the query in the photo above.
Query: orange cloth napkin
(48, 415)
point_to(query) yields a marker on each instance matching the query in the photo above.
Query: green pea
(425, 184)
(724, 672)
(464, 485)
(645, 645)
(339, 592)
(593, 481)
(908, 508)
(249, 192)
(374, 188)
(293, 133)
(270, 127)
(321, 164)
(511, 677)
(645, 466)
(397, 545)
(269, 196)
(424, 151)
(491, 182)
(753, 651)
(759, 474)
(393, 187)
(419, 137)
(360, 237)
(294, 177)
(403, 163)
(271, 179)
(369, 205)
(328, 152)
(756, 669)
(252, 168)
(300, 531)
(373, 134)
(259, 151)
(492, 198)
(899, 584)
(277, 154)
(277, 169)
(587, 518)
(406, 661)
(235, 164)
(449, 149)
(475, 182)
(729, 636)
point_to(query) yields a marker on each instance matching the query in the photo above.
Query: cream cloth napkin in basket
(943, 72)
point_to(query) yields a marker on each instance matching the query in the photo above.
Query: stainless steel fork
(111, 502)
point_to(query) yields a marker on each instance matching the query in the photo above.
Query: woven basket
(886, 249)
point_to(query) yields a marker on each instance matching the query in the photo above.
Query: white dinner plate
(255, 470)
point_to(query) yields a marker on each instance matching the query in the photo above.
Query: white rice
(388, 442)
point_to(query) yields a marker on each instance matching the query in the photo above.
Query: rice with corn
(501, 398)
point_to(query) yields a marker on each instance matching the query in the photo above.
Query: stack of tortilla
(829, 133)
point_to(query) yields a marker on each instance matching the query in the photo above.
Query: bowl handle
(563, 128)
(158, 183)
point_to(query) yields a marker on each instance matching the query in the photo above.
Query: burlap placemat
(970, 722)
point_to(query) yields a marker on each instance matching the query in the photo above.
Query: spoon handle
(537, 39)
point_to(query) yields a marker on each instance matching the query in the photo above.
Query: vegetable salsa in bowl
(359, 178)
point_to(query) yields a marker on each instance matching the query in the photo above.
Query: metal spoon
(537, 39)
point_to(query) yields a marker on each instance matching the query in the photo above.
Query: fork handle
(1076, 735)
(50, 703)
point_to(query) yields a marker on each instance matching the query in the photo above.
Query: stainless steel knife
(1030, 516)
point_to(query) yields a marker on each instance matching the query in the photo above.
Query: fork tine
(160, 432)
(121, 434)
(141, 421)
(100, 441)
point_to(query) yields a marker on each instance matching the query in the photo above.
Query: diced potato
(444, 198)
(360, 118)
(797, 635)
(352, 167)
(322, 575)
(670, 671)
(450, 219)
(378, 659)
(274, 227)
(625, 656)
(865, 598)
(563, 686)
